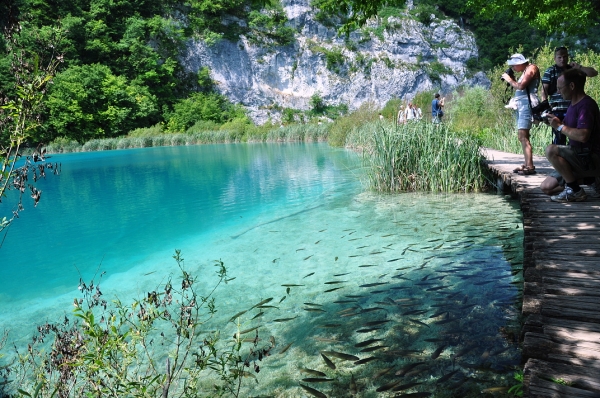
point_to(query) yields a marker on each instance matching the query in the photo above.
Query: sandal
(520, 168)
(527, 171)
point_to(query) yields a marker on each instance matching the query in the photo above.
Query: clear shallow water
(279, 215)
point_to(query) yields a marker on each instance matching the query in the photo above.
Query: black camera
(510, 73)
(540, 111)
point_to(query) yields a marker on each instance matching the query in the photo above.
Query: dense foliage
(121, 68)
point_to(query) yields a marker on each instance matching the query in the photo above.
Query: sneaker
(595, 191)
(567, 195)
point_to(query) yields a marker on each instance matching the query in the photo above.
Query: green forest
(117, 67)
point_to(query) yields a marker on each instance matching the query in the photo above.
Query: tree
(89, 101)
(20, 109)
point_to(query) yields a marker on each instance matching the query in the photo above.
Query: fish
(355, 296)
(367, 265)
(374, 348)
(306, 276)
(249, 330)
(367, 342)
(414, 312)
(291, 285)
(382, 372)
(313, 392)
(379, 252)
(375, 323)
(314, 304)
(283, 298)
(374, 284)
(365, 310)
(149, 273)
(344, 301)
(447, 376)
(394, 259)
(389, 386)
(365, 360)
(418, 322)
(332, 290)
(284, 349)
(284, 319)
(438, 351)
(405, 386)
(316, 379)
(312, 309)
(341, 355)
(407, 368)
(312, 372)
(385, 236)
(317, 242)
(362, 247)
(330, 325)
(367, 330)
(303, 248)
(345, 273)
(265, 301)
(306, 258)
(238, 315)
(355, 255)
(353, 387)
(259, 314)
(328, 361)
(350, 240)
(323, 230)
(334, 282)
(432, 289)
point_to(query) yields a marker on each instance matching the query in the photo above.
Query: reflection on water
(408, 293)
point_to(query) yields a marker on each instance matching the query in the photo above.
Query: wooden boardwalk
(561, 297)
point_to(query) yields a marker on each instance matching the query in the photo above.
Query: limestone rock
(405, 58)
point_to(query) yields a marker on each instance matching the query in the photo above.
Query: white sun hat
(517, 59)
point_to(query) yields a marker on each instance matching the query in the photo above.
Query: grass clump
(420, 156)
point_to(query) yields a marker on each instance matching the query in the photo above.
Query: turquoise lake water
(442, 270)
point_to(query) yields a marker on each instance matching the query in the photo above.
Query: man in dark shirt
(581, 124)
(558, 104)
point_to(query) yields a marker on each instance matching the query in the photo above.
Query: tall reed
(420, 156)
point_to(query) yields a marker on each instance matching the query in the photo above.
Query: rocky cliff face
(372, 65)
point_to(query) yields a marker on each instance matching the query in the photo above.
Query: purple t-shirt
(585, 115)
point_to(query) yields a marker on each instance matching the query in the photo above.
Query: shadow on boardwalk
(561, 297)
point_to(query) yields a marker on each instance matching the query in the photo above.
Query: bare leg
(526, 145)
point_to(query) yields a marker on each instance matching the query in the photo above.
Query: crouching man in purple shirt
(581, 124)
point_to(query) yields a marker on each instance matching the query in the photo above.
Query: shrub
(162, 344)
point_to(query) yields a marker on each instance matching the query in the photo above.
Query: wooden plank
(541, 346)
(575, 376)
(540, 388)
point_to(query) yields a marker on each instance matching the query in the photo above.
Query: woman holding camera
(526, 98)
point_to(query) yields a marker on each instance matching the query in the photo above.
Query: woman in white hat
(526, 98)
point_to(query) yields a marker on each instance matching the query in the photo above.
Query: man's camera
(540, 111)
(510, 73)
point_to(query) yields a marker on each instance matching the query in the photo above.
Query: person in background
(400, 119)
(410, 114)
(558, 105)
(526, 98)
(436, 108)
(581, 124)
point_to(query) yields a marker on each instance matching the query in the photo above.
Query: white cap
(517, 59)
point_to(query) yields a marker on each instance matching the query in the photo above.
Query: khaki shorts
(583, 163)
